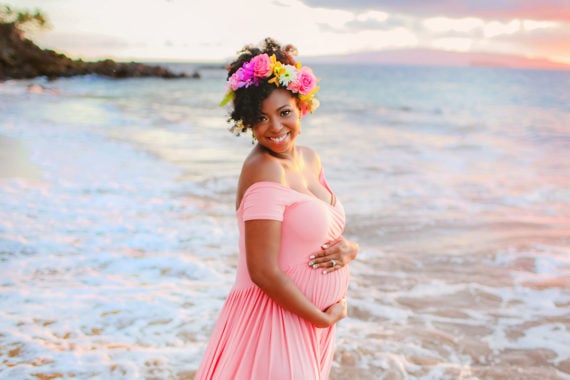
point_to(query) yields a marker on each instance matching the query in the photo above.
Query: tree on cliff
(20, 58)
(23, 19)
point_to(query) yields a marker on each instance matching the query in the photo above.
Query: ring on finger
(333, 262)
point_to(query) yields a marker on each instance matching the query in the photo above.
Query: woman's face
(279, 122)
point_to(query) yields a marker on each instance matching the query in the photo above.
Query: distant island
(20, 58)
(433, 57)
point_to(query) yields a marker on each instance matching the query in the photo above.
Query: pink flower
(305, 81)
(233, 82)
(245, 75)
(297, 79)
(261, 65)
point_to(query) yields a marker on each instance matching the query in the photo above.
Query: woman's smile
(280, 139)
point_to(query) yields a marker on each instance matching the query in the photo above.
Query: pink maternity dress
(254, 338)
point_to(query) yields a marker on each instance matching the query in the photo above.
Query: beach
(118, 239)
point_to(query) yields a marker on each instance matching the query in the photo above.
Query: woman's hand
(336, 312)
(334, 255)
(262, 241)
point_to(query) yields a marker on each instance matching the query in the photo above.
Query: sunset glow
(196, 30)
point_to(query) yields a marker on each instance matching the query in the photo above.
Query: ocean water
(118, 240)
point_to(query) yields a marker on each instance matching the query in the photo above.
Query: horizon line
(403, 57)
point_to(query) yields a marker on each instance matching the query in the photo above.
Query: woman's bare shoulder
(258, 168)
(311, 158)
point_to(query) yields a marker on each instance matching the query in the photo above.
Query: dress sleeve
(265, 200)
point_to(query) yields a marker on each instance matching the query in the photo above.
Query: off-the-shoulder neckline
(280, 185)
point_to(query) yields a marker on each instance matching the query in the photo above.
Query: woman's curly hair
(247, 100)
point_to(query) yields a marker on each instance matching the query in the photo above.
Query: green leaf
(229, 96)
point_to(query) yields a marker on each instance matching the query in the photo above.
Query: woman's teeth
(278, 139)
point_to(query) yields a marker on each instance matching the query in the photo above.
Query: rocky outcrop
(20, 58)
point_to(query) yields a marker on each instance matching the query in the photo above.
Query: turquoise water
(118, 252)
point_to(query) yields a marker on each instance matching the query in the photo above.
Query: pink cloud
(496, 9)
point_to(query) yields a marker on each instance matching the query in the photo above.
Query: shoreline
(120, 257)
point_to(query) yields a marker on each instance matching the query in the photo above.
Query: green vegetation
(23, 20)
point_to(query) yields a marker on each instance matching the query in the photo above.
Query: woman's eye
(261, 119)
(285, 112)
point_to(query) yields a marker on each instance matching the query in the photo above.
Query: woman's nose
(275, 125)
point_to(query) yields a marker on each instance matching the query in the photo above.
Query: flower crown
(297, 79)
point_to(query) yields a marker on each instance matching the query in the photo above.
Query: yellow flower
(277, 68)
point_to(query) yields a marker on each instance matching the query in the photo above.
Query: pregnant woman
(278, 321)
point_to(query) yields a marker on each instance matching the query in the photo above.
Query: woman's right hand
(336, 312)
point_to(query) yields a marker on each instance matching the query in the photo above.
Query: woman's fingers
(327, 249)
(333, 255)
(338, 310)
(334, 265)
(330, 263)
(331, 243)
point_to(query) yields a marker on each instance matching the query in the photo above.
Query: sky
(214, 30)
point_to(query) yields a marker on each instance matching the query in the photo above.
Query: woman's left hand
(334, 255)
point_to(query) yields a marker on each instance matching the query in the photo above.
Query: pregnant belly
(322, 289)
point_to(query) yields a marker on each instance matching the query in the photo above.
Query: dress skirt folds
(256, 339)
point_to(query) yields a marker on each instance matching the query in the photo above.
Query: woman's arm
(262, 241)
(341, 250)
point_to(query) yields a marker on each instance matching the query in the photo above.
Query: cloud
(215, 29)
(498, 9)
(540, 42)
(375, 20)
(525, 28)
